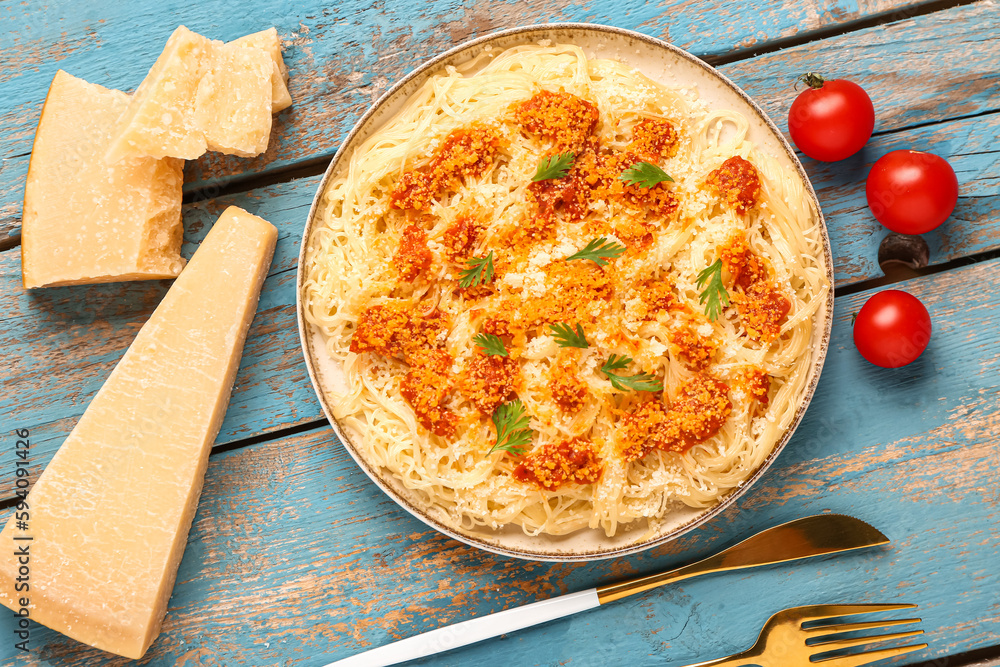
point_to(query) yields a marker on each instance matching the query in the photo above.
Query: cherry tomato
(831, 120)
(911, 192)
(892, 329)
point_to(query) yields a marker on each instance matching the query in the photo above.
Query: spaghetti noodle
(433, 238)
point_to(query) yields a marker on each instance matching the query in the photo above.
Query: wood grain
(69, 338)
(974, 226)
(63, 342)
(296, 558)
(928, 69)
(342, 57)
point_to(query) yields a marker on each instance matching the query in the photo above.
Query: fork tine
(838, 644)
(854, 627)
(822, 611)
(859, 659)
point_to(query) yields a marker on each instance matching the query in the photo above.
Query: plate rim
(726, 501)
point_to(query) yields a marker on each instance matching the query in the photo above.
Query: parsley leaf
(616, 363)
(566, 337)
(714, 295)
(478, 271)
(490, 345)
(554, 166)
(599, 251)
(640, 382)
(511, 423)
(645, 175)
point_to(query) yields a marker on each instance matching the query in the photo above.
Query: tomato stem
(813, 80)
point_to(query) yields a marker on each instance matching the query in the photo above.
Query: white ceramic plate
(661, 62)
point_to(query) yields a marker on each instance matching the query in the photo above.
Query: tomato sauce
(761, 306)
(570, 461)
(563, 118)
(426, 386)
(737, 183)
(413, 256)
(568, 391)
(397, 328)
(465, 152)
(699, 411)
(489, 380)
(655, 139)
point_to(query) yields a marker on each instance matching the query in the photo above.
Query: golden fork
(782, 641)
(819, 535)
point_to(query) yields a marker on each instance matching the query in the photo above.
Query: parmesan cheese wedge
(205, 95)
(85, 221)
(159, 121)
(233, 102)
(108, 519)
(268, 40)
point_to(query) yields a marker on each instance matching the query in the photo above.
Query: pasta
(451, 287)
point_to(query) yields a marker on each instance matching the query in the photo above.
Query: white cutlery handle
(472, 631)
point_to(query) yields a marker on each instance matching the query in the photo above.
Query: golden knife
(803, 538)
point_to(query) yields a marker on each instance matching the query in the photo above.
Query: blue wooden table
(295, 558)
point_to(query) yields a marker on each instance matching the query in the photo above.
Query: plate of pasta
(564, 292)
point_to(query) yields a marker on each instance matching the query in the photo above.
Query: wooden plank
(974, 226)
(296, 558)
(944, 35)
(900, 66)
(924, 70)
(61, 343)
(342, 57)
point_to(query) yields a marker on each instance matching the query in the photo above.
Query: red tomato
(831, 120)
(892, 329)
(911, 192)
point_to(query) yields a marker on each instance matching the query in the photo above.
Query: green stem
(813, 80)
